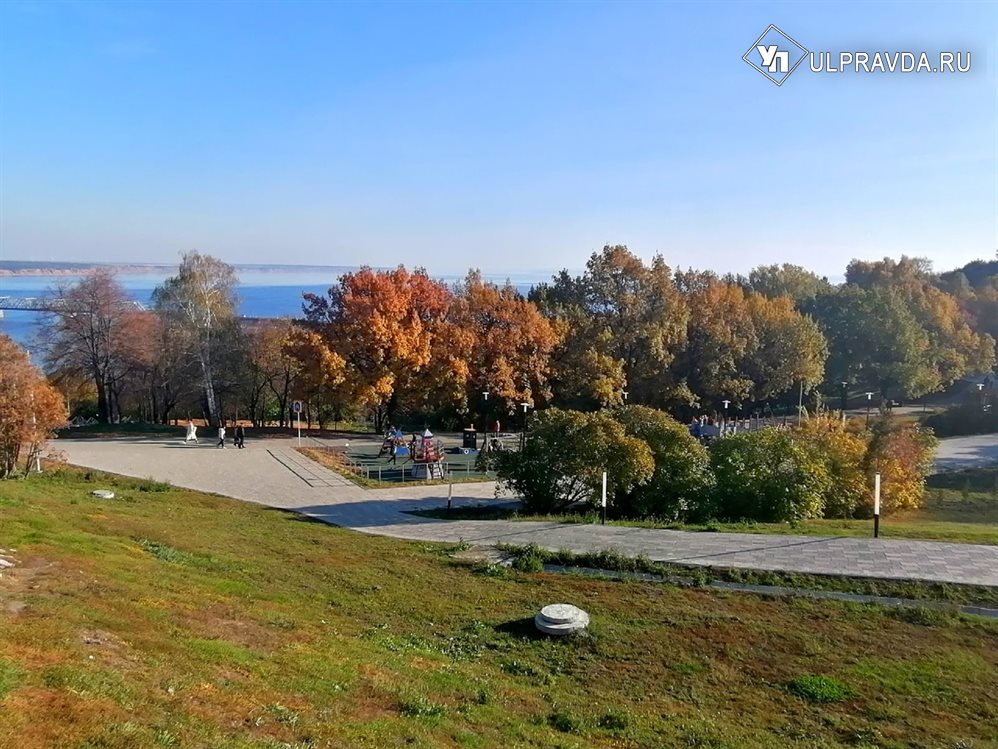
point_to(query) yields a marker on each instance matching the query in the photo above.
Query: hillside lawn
(172, 618)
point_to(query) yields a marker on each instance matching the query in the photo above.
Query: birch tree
(199, 305)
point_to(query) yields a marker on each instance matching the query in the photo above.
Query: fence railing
(389, 473)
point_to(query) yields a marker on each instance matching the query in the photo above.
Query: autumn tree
(790, 348)
(719, 336)
(198, 307)
(312, 370)
(505, 341)
(903, 456)
(30, 409)
(623, 321)
(387, 326)
(92, 333)
(271, 369)
(742, 346)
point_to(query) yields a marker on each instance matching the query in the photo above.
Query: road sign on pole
(296, 407)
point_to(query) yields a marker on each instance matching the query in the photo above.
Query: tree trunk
(211, 404)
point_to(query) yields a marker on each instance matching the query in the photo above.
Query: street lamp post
(523, 433)
(869, 397)
(625, 394)
(980, 394)
(485, 425)
(845, 396)
(725, 425)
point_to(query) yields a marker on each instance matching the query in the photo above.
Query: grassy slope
(171, 618)
(961, 506)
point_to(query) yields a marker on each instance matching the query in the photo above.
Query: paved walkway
(272, 473)
(967, 452)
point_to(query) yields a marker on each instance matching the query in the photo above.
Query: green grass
(961, 507)
(820, 689)
(173, 618)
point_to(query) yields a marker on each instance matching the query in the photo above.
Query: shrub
(612, 721)
(529, 562)
(768, 476)
(678, 488)
(843, 452)
(820, 689)
(565, 456)
(564, 722)
(903, 456)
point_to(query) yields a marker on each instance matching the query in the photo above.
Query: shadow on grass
(521, 629)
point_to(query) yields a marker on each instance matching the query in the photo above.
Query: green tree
(564, 458)
(876, 342)
(678, 489)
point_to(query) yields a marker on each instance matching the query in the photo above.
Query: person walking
(240, 437)
(221, 437)
(192, 433)
(394, 452)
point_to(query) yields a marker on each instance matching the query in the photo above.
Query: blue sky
(515, 137)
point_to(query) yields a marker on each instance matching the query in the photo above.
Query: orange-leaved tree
(508, 345)
(388, 326)
(30, 409)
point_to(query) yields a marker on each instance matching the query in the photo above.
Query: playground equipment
(394, 437)
(427, 458)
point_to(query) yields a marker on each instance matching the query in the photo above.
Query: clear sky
(512, 136)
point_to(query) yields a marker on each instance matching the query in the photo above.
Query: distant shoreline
(26, 268)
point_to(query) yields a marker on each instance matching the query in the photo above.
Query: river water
(261, 294)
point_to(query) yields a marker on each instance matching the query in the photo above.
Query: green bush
(565, 456)
(678, 489)
(768, 476)
(530, 562)
(820, 689)
(564, 722)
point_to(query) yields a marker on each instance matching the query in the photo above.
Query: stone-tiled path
(272, 473)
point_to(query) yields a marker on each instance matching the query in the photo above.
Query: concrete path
(272, 473)
(967, 452)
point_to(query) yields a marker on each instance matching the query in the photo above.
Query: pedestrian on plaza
(192, 433)
(394, 452)
(221, 437)
(240, 437)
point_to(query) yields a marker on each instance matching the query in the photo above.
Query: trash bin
(470, 440)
